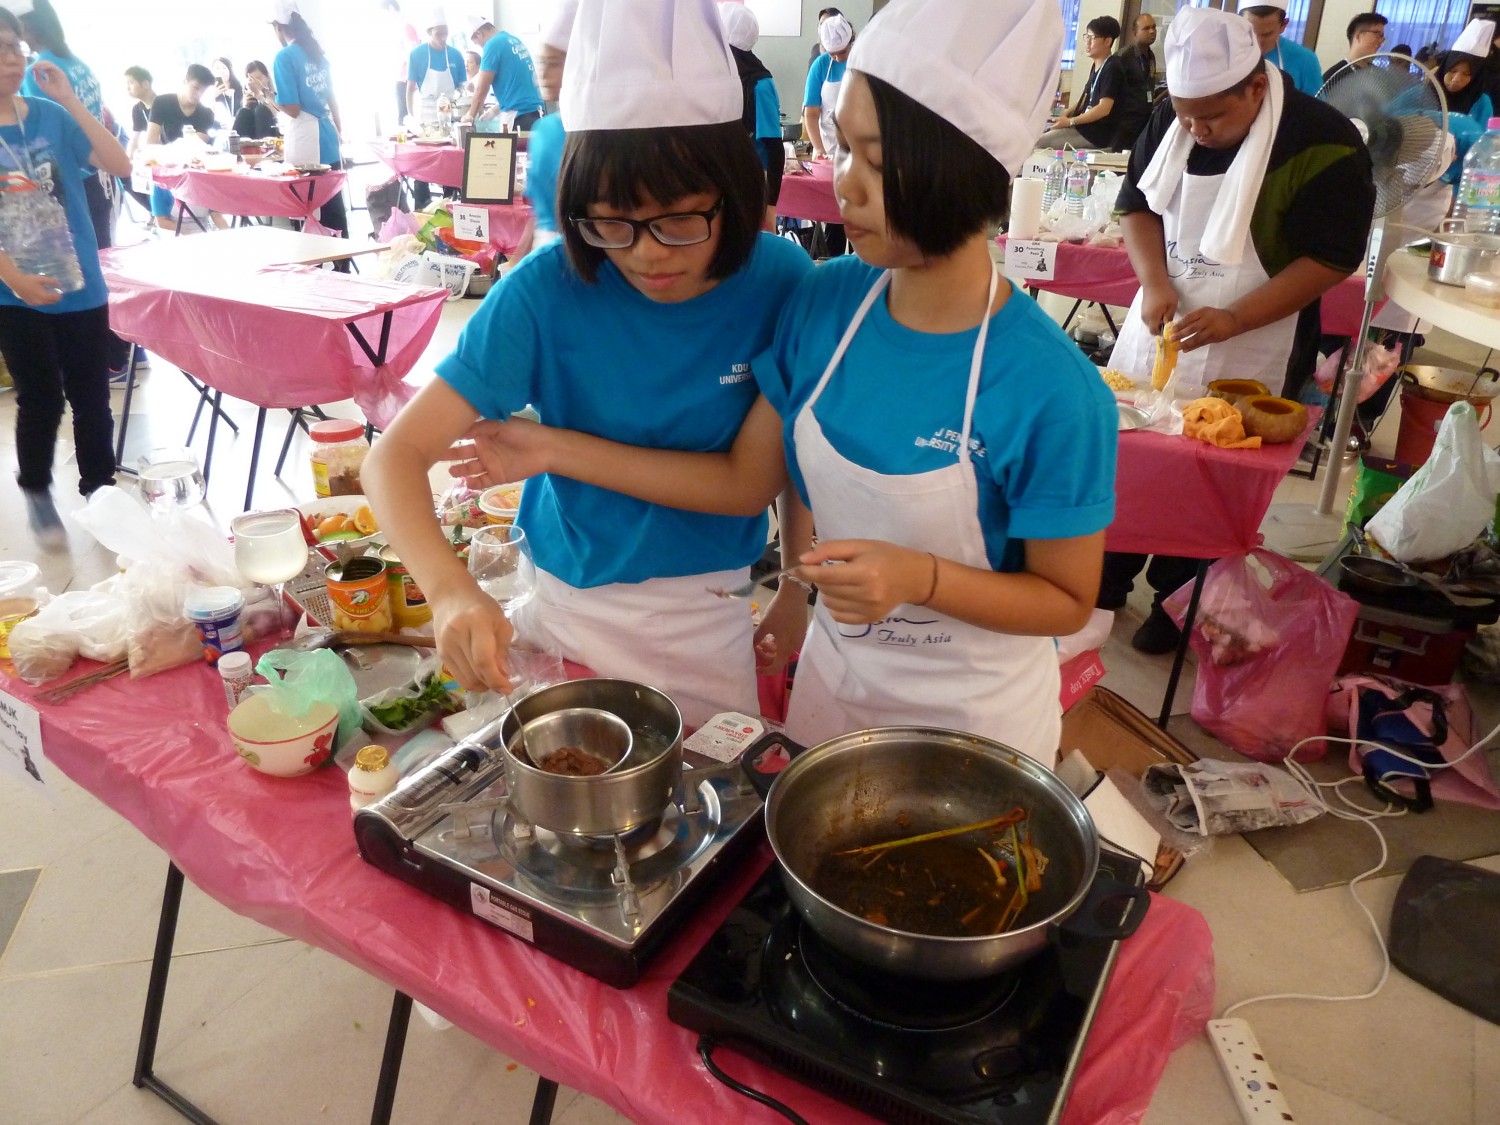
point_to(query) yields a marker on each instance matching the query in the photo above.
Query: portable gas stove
(602, 904)
(1001, 1051)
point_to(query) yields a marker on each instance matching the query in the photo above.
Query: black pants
(56, 358)
(102, 215)
(524, 121)
(773, 156)
(1167, 574)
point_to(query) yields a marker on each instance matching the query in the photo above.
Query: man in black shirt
(1366, 35)
(1140, 53)
(1112, 106)
(171, 114)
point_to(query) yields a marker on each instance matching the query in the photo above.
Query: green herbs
(406, 710)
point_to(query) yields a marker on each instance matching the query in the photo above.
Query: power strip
(1250, 1078)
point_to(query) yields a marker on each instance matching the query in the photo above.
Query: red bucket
(1420, 419)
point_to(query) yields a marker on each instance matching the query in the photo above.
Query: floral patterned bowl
(279, 744)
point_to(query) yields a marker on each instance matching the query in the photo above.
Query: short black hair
(139, 73)
(828, 12)
(627, 168)
(1361, 21)
(8, 22)
(940, 186)
(197, 72)
(255, 66)
(1265, 10)
(1104, 27)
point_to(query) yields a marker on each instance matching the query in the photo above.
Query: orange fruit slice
(364, 520)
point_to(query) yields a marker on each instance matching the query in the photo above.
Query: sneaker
(1157, 635)
(46, 524)
(119, 376)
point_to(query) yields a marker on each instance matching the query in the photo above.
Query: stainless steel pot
(1450, 385)
(1456, 253)
(852, 789)
(632, 794)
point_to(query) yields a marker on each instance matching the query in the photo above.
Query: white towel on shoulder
(1228, 229)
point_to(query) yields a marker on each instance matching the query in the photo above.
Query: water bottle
(1057, 173)
(445, 113)
(1478, 203)
(41, 242)
(1077, 189)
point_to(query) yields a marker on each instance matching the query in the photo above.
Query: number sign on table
(1029, 260)
(471, 223)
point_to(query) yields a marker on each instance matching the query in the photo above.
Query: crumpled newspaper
(1214, 798)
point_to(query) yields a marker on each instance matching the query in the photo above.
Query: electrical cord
(1364, 815)
(706, 1045)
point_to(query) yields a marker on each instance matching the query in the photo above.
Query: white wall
(1090, 10)
(1332, 43)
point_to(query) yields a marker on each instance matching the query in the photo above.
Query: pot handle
(766, 757)
(1084, 922)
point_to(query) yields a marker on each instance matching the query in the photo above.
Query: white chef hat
(835, 33)
(474, 23)
(740, 24)
(1208, 51)
(1476, 38)
(559, 28)
(987, 67)
(436, 18)
(281, 10)
(1262, 4)
(649, 64)
(19, 8)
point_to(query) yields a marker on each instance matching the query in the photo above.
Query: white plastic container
(237, 673)
(371, 777)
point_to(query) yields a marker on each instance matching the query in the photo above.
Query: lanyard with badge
(34, 229)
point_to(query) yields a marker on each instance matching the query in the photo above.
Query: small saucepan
(1457, 253)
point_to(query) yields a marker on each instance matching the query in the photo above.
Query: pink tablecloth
(1090, 273)
(810, 196)
(433, 164)
(250, 193)
(281, 851)
(508, 222)
(276, 337)
(1178, 496)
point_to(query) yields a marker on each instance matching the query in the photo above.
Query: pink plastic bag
(1268, 638)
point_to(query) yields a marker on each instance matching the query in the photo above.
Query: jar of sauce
(338, 453)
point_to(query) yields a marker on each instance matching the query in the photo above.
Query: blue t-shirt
(609, 361)
(84, 84)
(1300, 63)
(53, 142)
(1044, 428)
(825, 68)
(767, 110)
(300, 81)
(544, 153)
(507, 58)
(425, 57)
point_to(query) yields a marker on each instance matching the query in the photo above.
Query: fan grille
(1403, 118)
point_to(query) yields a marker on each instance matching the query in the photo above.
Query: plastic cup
(215, 610)
(501, 503)
(18, 581)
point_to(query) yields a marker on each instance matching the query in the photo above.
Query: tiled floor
(241, 1039)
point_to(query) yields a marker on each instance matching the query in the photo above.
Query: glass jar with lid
(339, 449)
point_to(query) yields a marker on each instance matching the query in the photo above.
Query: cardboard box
(1114, 735)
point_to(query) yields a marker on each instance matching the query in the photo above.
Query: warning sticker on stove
(724, 737)
(495, 910)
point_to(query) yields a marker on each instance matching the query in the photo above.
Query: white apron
(1202, 283)
(826, 117)
(435, 83)
(670, 633)
(917, 666)
(299, 138)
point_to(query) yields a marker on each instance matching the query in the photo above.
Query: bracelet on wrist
(932, 590)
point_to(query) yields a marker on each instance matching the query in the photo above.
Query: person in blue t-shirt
(544, 151)
(640, 326)
(956, 450)
(1300, 64)
(506, 68)
(434, 70)
(762, 112)
(304, 89)
(55, 343)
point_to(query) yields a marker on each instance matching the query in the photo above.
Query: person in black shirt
(138, 86)
(171, 114)
(1140, 53)
(1112, 107)
(257, 118)
(1366, 35)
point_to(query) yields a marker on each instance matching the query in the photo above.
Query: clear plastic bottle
(1077, 184)
(45, 247)
(1478, 202)
(236, 671)
(1057, 174)
(371, 777)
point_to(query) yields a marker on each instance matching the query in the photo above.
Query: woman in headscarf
(762, 113)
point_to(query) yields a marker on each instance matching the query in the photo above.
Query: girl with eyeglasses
(640, 326)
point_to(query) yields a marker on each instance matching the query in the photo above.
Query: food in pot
(570, 761)
(971, 881)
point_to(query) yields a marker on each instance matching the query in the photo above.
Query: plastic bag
(443, 272)
(1380, 364)
(1449, 501)
(88, 623)
(1268, 636)
(297, 680)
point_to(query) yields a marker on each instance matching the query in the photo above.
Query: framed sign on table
(489, 168)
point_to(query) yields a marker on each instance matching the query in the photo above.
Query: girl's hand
(36, 289)
(782, 628)
(872, 579)
(473, 639)
(500, 452)
(53, 82)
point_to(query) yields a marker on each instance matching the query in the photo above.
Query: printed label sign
(1028, 259)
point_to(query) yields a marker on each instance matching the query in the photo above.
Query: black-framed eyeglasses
(681, 228)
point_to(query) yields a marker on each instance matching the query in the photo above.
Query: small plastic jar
(215, 610)
(371, 777)
(338, 453)
(18, 581)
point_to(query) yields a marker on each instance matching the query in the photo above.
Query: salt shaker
(236, 672)
(371, 777)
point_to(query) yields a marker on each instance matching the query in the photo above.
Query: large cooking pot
(1450, 384)
(851, 791)
(1456, 253)
(632, 794)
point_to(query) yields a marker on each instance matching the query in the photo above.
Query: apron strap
(976, 365)
(838, 353)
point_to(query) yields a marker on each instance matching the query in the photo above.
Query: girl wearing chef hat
(640, 326)
(307, 112)
(820, 99)
(955, 448)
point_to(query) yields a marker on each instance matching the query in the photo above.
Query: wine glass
(170, 477)
(500, 561)
(269, 548)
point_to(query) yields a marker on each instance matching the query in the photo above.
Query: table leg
(375, 355)
(215, 410)
(1067, 320)
(1182, 644)
(125, 418)
(1109, 320)
(156, 991)
(205, 398)
(390, 1062)
(260, 430)
(543, 1101)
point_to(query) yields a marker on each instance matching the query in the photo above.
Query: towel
(1217, 422)
(1228, 229)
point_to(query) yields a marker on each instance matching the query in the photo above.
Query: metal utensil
(1131, 417)
(1361, 541)
(745, 589)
